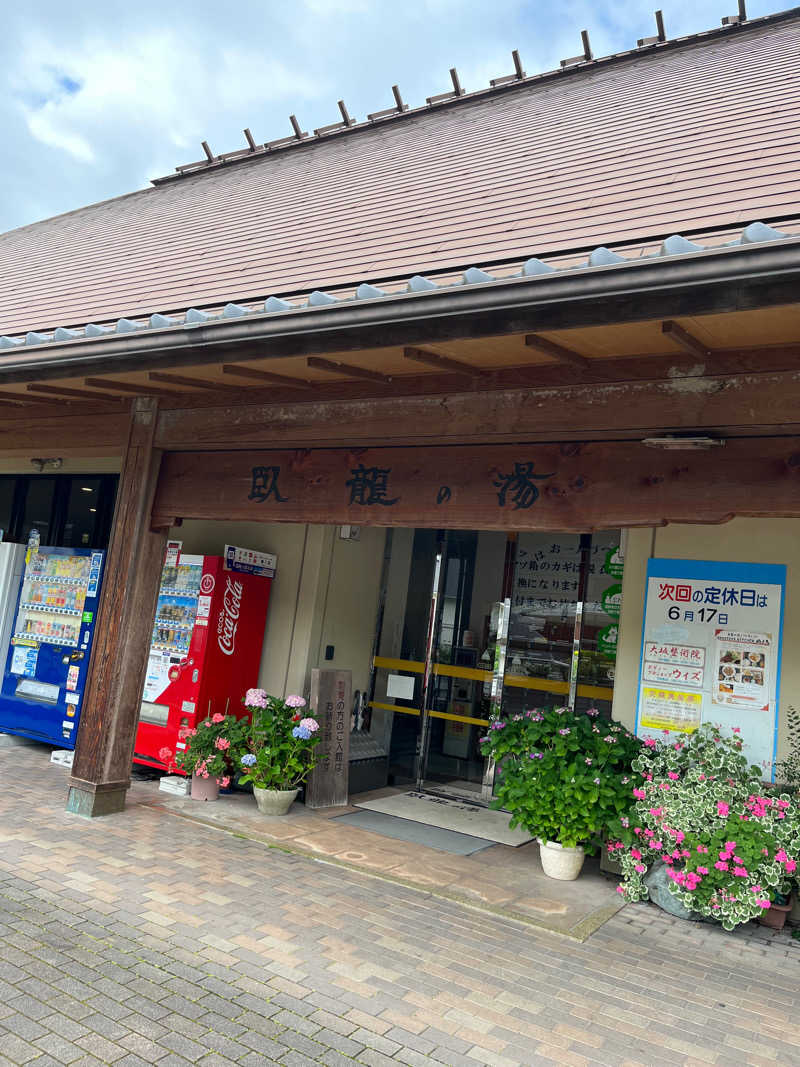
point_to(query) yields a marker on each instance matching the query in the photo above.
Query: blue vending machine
(51, 638)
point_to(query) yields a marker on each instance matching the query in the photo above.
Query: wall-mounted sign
(248, 561)
(711, 650)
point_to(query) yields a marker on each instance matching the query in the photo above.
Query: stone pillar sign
(331, 700)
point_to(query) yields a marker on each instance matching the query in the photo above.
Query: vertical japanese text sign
(331, 700)
(711, 651)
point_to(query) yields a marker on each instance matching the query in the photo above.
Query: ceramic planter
(559, 862)
(274, 801)
(775, 916)
(204, 788)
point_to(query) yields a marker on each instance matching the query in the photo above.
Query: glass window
(82, 510)
(38, 510)
(7, 487)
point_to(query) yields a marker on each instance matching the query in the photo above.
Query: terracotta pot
(204, 788)
(775, 916)
(274, 801)
(560, 862)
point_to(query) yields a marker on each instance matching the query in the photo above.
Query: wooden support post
(107, 730)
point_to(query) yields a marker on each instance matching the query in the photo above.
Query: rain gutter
(717, 280)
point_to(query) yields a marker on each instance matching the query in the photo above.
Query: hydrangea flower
(295, 701)
(302, 732)
(309, 724)
(256, 698)
(248, 760)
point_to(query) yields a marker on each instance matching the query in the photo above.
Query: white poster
(711, 650)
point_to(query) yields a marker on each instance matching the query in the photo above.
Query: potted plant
(276, 752)
(208, 754)
(563, 776)
(729, 846)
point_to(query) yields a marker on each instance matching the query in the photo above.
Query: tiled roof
(689, 138)
(676, 245)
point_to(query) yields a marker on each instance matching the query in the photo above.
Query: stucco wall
(741, 540)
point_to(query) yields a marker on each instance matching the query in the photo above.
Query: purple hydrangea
(295, 701)
(248, 760)
(309, 724)
(256, 698)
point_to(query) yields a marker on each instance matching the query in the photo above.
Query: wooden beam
(109, 717)
(266, 376)
(445, 363)
(78, 394)
(559, 352)
(522, 486)
(745, 401)
(347, 370)
(128, 387)
(684, 339)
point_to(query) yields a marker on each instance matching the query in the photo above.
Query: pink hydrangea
(256, 698)
(295, 701)
(309, 724)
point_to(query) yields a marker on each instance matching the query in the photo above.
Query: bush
(563, 775)
(728, 846)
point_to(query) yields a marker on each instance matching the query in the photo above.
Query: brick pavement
(143, 938)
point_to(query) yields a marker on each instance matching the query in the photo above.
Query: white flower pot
(560, 862)
(274, 801)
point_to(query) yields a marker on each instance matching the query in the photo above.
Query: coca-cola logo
(228, 622)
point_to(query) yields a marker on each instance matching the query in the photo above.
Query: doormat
(450, 815)
(377, 822)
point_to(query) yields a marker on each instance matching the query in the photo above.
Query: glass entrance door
(480, 623)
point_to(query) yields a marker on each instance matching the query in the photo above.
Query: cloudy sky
(100, 96)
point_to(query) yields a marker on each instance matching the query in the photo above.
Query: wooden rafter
(433, 359)
(256, 375)
(559, 352)
(684, 339)
(77, 394)
(134, 388)
(347, 370)
(185, 381)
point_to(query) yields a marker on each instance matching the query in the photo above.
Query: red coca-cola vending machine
(205, 649)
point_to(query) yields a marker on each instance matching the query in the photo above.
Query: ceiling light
(683, 444)
(86, 489)
(92, 509)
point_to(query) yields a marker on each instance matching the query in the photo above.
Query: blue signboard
(711, 651)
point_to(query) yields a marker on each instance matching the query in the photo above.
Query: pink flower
(702, 870)
(217, 717)
(256, 698)
(222, 743)
(722, 808)
(225, 781)
(673, 775)
(165, 754)
(737, 729)
(721, 866)
(702, 848)
(636, 853)
(656, 844)
(309, 724)
(791, 866)
(740, 872)
(781, 856)
(620, 889)
(655, 812)
(295, 701)
(650, 742)
(639, 794)
(763, 904)
(640, 868)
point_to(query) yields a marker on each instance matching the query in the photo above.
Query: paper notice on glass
(743, 662)
(671, 709)
(400, 686)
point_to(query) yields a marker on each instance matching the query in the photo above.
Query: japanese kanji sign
(711, 647)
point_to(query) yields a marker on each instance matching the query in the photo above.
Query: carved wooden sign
(535, 487)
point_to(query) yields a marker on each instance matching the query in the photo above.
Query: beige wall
(325, 593)
(741, 540)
